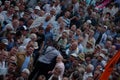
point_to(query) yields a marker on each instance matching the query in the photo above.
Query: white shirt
(53, 76)
(3, 68)
(86, 75)
(47, 8)
(81, 48)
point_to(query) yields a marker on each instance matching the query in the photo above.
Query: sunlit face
(11, 67)
(30, 48)
(53, 12)
(91, 33)
(48, 18)
(24, 75)
(73, 28)
(78, 32)
(67, 14)
(80, 39)
(64, 35)
(11, 10)
(5, 55)
(59, 58)
(12, 59)
(75, 62)
(86, 26)
(73, 46)
(60, 19)
(108, 44)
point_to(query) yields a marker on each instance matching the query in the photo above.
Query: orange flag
(109, 67)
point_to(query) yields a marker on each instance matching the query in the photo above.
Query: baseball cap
(24, 28)
(26, 71)
(37, 7)
(105, 26)
(102, 55)
(89, 21)
(74, 55)
(5, 41)
(12, 32)
(16, 8)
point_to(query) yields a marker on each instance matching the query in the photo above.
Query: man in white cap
(35, 14)
(104, 35)
(99, 61)
(24, 74)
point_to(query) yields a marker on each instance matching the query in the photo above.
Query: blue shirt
(25, 63)
(48, 36)
(50, 54)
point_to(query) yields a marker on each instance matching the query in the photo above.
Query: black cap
(24, 28)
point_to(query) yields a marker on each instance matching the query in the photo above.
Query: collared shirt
(3, 68)
(81, 48)
(26, 62)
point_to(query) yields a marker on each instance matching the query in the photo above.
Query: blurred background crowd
(58, 39)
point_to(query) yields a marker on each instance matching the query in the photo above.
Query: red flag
(109, 67)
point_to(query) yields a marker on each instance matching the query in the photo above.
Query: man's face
(13, 51)
(48, 17)
(73, 46)
(30, 48)
(11, 67)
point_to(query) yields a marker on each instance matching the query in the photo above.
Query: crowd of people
(58, 39)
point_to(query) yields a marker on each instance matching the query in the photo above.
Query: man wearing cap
(12, 66)
(35, 14)
(104, 35)
(11, 71)
(71, 64)
(12, 26)
(99, 61)
(89, 47)
(73, 49)
(88, 71)
(24, 30)
(24, 74)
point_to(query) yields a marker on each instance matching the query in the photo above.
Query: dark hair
(75, 75)
(55, 44)
(22, 19)
(108, 13)
(41, 28)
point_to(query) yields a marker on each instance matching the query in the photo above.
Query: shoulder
(20, 54)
